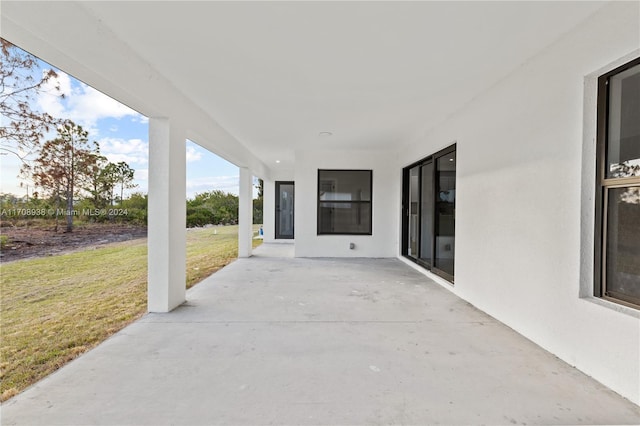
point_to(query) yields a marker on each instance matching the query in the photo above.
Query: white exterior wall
(386, 197)
(520, 179)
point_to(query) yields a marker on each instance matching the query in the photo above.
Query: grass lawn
(55, 308)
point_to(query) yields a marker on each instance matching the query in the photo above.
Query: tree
(22, 127)
(136, 205)
(124, 177)
(214, 207)
(109, 177)
(96, 184)
(258, 203)
(64, 165)
(260, 188)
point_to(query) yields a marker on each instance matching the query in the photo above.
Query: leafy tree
(112, 175)
(124, 177)
(260, 187)
(214, 207)
(96, 184)
(137, 200)
(8, 201)
(64, 165)
(109, 178)
(136, 206)
(258, 203)
(626, 169)
(22, 127)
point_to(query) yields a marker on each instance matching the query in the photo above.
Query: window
(429, 206)
(344, 202)
(617, 263)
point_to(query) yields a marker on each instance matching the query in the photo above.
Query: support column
(269, 210)
(166, 288)
(245, 213)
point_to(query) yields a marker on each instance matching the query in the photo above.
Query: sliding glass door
(445, 211)
(429, 196)
(426, 215)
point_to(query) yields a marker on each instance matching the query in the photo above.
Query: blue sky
(123, 136)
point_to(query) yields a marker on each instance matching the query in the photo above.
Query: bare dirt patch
(25, 242)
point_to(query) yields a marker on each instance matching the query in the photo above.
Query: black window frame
(603, 185)
(369, 202)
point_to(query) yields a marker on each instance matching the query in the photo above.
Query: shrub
(199, 217)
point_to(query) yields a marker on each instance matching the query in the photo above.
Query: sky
(122, 134)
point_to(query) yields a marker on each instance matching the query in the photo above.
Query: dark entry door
(284, 210)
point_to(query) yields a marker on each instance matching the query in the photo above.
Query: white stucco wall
(386, 178)
(520, 180)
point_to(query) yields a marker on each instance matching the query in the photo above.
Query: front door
(284, 210)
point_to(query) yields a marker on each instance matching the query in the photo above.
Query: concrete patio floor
(277, 340)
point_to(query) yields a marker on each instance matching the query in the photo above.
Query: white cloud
(142, 174)
(49, 100)
(83, 104)
(211, 183)
(88, 105)
(194, 186)
(131, 151)
(193, 154)
(141, 179)
(10, 165)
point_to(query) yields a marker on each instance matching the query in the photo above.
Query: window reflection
(623, 134)
(445, 213)
(623, 245)
(426, 210)
(344, 202)
(414, 198)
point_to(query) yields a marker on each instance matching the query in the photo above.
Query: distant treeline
(17, 211)
(217, 208)
(208, 208)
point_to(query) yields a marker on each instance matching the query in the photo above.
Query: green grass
(202, 261)
(55, 308)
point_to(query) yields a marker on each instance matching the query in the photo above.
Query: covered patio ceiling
(256, 81)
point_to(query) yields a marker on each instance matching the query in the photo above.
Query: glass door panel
(445, 208)
(414, 198)
(284, 210)
(426, 215)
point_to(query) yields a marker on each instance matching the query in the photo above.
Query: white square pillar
(166, 288)
(245, 213)
(269, 210)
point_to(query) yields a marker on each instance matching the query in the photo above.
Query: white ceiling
(276, 74)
